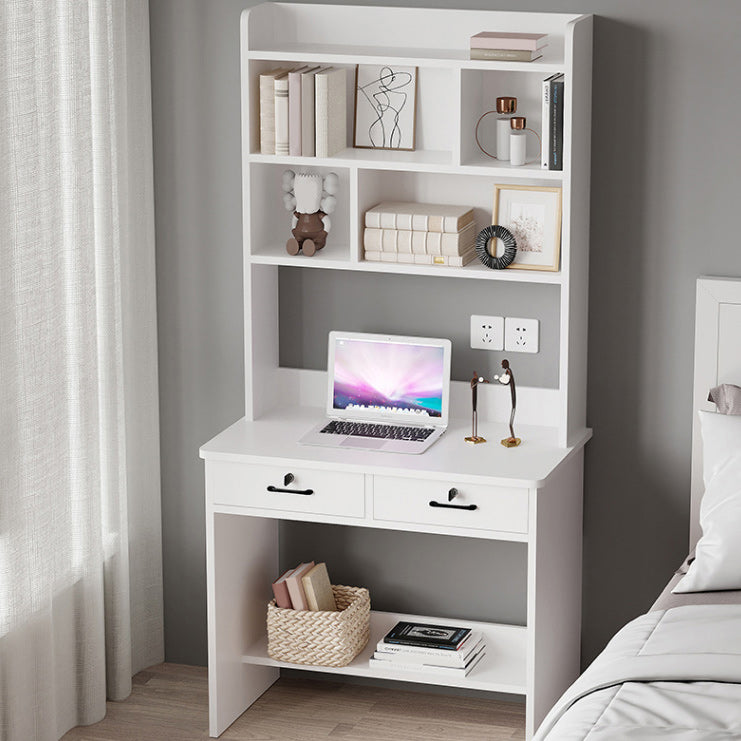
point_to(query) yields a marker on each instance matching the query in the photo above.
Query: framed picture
(533, 215)
(385, 106)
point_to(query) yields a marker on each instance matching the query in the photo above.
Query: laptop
(384, 393)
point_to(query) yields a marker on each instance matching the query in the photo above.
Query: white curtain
(80, 534)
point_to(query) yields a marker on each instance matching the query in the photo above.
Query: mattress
(667, 600)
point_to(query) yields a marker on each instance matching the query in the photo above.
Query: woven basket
(321, 638)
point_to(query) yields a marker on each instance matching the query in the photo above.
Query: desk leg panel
(242, 561)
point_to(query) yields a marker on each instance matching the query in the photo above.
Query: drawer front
(488, 507)
(287, 489)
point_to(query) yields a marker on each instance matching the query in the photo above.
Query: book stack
(307, 587)
(303, 111)
(508, 47)
(420, 233)
(552, 145)
(433, 649)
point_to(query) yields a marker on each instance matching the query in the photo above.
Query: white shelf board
(327, 258)
(458, 58)
(422, 160)
(503, 668)
(484, 165)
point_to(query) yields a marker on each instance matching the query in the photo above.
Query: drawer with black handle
(450, 504)
(287, 488)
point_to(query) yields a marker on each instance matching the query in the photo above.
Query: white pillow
(721, 439)
(717, 563)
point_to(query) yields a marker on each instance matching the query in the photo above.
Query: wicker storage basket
(321, 638)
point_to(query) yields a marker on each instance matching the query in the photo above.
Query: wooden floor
(170, 703)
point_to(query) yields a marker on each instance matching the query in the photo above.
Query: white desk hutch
(531, 494)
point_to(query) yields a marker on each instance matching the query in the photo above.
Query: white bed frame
(717, 360)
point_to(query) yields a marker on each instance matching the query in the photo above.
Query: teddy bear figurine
(312, 199)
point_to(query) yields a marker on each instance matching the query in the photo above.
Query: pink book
(280, 591)
(296, 587)
(504, 40)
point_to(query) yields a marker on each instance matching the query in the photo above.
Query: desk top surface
(272, 440)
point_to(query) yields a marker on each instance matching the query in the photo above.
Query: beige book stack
(420, 234)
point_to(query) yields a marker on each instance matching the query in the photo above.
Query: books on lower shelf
(420, 234)
(437, 649)
(303, 111)
(306, 587)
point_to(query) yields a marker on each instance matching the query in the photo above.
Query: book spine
(508, 42)
(308, 133)
(281, 115)
(321, 113)
(506, 55)
(471, 641)
(417, 222)
(282, 598)
(373, 255)
(294, 114)
(267, 115)
(557, 133)
(418, 242)
(545, 134)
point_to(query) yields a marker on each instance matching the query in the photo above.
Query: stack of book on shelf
(552, 145)
(303, 111)
(433, 649)
(501, 46)
(307, 587)
(420, 233)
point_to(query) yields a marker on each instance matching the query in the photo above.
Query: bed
(675, 672)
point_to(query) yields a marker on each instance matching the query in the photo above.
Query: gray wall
(664, 211)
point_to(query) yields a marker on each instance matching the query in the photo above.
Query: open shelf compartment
(503, 668)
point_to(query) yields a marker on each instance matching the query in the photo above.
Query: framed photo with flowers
(533, 215)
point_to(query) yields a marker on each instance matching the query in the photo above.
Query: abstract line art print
(385, 106)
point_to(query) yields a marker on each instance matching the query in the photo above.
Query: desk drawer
(271, 487)
(487, 507)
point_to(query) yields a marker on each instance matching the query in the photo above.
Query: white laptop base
(384, 390)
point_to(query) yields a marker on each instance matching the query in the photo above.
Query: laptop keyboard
(369, 429)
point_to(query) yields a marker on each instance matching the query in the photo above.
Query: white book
(471, 641)
(267, 109)
(308, 111)
(281, 114)
(445, 671)
(545, 134)
(452, 659)
(331, 111)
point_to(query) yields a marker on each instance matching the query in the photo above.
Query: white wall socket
(487, 332)
(521, 335)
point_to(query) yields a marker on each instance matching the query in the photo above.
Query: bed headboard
(717, 360)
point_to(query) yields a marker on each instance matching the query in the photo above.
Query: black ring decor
(482, 247)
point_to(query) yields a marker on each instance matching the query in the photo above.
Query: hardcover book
(318, 590)
(423, 243)
(308, 111)
(546, 119)
(509, 40)
(267, 109)
(296, 587)
(295, 105)
(422, 634)
(421, 217)
(433, 656)
(506, 55)
(280, 591)
(555, 157)
(281, 114)
(380, 664)
(331, 111)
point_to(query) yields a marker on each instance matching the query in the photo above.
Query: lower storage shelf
(503, 668)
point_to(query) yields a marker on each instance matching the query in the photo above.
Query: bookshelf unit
(531, 494)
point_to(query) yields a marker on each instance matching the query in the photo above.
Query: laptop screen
(402, 378)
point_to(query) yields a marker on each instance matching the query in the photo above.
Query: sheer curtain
(80, 535)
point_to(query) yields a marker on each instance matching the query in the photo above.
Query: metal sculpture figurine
(475, 438)
(312, 199)
(508, 378)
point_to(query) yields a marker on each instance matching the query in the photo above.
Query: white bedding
(669, 674)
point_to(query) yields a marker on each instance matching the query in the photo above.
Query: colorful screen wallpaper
(388, 377)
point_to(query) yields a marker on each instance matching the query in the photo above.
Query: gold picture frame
(533, 214)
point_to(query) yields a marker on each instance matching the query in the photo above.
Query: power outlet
(521, 335)
(487, 332)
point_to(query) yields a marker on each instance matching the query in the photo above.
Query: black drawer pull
(303, 492)
(469, 507)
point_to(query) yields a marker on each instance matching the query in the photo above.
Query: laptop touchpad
(362, 442)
